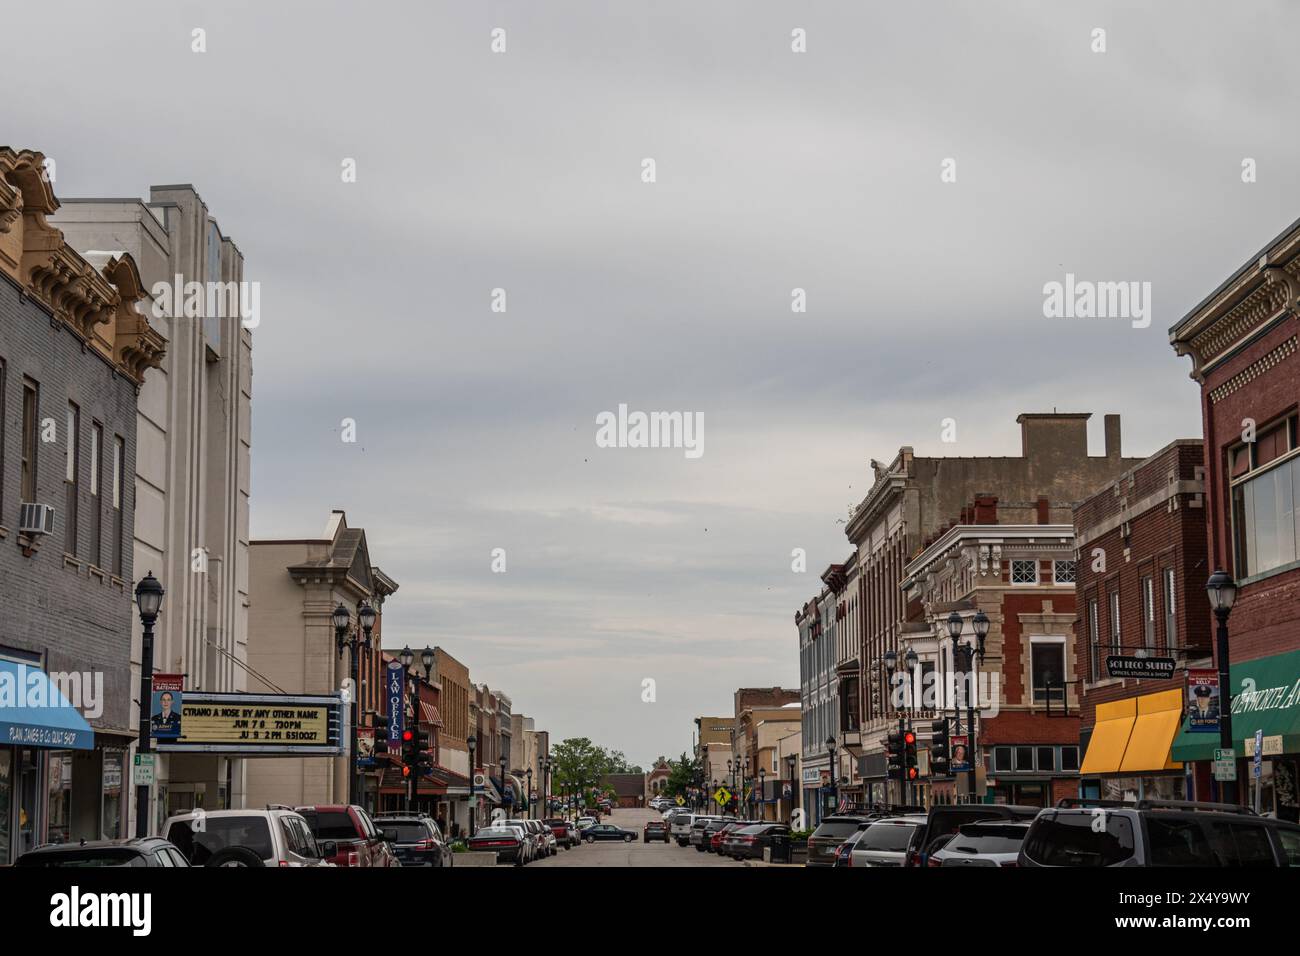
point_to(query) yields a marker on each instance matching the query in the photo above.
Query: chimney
(1044, 510)
(986, 508)
(1112, 437)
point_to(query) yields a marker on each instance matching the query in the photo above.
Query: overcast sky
(775, 170)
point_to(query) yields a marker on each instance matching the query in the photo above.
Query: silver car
(990, 843)
(884, 842)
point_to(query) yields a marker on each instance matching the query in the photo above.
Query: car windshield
(407, 832)
(199, 840)
(1076, 839)
(988, 838)
(84, 858)
(837, 829)
(891, 837)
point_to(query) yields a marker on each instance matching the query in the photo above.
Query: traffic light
(416, 761)
(939, 748)
(894, 756)
(408, 753)
(423, 758)
(909, 755)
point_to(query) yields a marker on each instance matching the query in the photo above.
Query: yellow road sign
(722, 796)
(681, 801)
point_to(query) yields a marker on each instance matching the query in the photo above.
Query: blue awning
(34, 712)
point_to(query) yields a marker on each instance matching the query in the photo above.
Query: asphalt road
(635, 853)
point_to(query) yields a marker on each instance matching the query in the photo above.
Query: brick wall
(81, 618)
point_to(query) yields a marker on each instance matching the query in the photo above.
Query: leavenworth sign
(252, 724)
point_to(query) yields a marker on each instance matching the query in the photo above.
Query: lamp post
(472, 743)
(910, 659)
(963, 656)
(891, 664)
(148, 600)
(835, 775)
(528, 795)
(346, 639)
(504, 790)
(1223, 595)
(762, 791)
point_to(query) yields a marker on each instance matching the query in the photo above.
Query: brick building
(911, 500)
(1244, 343)
(1024, 702)
(74, 349)
(1141, 585)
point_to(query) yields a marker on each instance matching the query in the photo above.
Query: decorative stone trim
(1254, 371)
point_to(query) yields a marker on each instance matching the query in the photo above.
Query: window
(1265, 495)
(1046, 757)
(1024, 572)
(1025, 758)
(71, 486)
(1002, 759)
(1063, 572)
(1171, 611)
(1149, 613)
(96, 501)
(1094, 641)
(1069, 758)
(1047, 668)
(1114, 622)
(119, 476)
(31, 415)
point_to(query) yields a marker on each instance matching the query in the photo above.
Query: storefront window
(112, 821)
(6, 802)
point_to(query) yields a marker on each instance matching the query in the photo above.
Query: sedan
(607, 831)
(147, 851)
(508, 843)
(748, 843)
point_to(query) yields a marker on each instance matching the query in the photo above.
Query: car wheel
(235, 856)
(589, 840)
(628, 838)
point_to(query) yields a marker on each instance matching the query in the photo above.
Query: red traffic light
(408, 736)
(406, 771)
(912, 773)
(909, 738)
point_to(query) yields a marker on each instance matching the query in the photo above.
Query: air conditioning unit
(35, 519)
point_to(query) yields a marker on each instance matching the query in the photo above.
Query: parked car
(710, 826)
(276, 836)
(718, 835)
(680, 828)
(1157, 833)
(148, 851)
(584, 822)
(656, 830)
(830, 833)
(844, 852)
(948, 818)
(533, 828)
(552, 843)
(884, 842)
(357, 840)
(510, 844)
(566, 834)
(419, 841)
(988, 843)
(607, 831)
(748, 843)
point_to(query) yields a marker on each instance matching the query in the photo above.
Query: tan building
(192, 478)
(295, 585)
(455, 689)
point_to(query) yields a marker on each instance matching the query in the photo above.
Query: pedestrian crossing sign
(722, 796)
(681, 801)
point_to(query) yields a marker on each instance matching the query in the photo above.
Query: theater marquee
(252, 724)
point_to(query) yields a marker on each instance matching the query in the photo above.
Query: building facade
(192, 477)
(74, 351)
(1243, 343)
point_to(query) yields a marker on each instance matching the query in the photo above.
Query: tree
(683, 773)
(578, 764)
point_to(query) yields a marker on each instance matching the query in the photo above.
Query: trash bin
(780, 848)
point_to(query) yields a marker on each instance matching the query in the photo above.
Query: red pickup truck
(565, 835)
(360, 842)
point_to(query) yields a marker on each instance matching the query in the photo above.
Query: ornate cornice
(100, 307)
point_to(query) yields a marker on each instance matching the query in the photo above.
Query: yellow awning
(1110, 736)
(1158, 717)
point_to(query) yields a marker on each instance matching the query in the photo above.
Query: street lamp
(1223, 595)
(148, 600)
(502, 764)
(345, 639)
(835, 777)
(962, 658)
(472, 743)
(794, 790)
(528, 795)
(762, 790)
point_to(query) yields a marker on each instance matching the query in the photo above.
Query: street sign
(1140, 668)
(681, 801)
(1259, 753)
(722, 796)
(143, 769)
(395, 681)
(1225, 764)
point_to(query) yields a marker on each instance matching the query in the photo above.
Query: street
(636, 853)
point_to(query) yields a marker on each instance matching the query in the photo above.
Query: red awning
(429, 714)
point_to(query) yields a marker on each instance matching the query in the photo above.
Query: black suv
(1157, 833)
(944, 820)
(419, 842)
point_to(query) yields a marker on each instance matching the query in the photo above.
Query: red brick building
(1022, 576)
(1243, 342)
(1141, 585)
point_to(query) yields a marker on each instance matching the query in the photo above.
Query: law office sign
(252, 724)
(395, 682)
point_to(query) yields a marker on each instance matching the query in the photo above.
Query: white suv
(276, 836)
